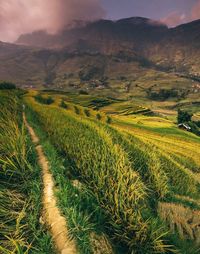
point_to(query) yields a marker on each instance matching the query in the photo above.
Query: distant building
(196, 88)
(184, 126)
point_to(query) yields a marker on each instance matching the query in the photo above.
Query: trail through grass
(51, 214)
(85, 218)
(107, 164)
(20, 185)
(164, 160)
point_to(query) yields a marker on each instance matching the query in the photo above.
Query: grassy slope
(21, 187)
(149, 131)
(97, 138)
(31, 67)
(132, 103)
(77, 203)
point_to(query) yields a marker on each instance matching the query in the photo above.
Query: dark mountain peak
(102, 23)
(190, 27)
(187, 33)
(133, 20)
(128, 29)
(190, 24)
(140, 21)
(139, 40)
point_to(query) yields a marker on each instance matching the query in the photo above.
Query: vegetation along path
(52, 216)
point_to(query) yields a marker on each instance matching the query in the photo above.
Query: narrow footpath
(51, 213)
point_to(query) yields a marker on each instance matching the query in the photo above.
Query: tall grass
(44, 100)
(106, 169)
(20, 188)
(13, 146)
(180, 179)
(166, 173)
(86, 220)
(146, 161)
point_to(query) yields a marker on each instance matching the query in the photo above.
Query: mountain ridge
(114, 48)
(120, 28)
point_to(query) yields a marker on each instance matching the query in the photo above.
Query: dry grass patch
(100, 244)
(180, 219)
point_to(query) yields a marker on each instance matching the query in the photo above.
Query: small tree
(183, 116)
(194, 128)
(43, 100)
(108, 120)
(7, 85)
(83, 92)
(87, 112)
(49, 100)
(98, 116)
(77, 110)
(63, 105)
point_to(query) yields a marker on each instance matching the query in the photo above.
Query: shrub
(49, 100)
(7, 85)
(63, 105)
(162, 94)
(194, 128)
(98, 116)
(83, 92)
(183, 116)
(76, 110)
(87, 112)
(197, 123)
(108, 120)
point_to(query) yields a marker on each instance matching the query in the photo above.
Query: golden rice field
(148, 163)
(125, 183)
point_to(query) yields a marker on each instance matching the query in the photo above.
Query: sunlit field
(124, 182)
(130, 182)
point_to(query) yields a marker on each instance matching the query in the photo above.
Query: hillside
(119, 51)
(124, 58)
(20, 64)
(104, 36)
(90, 174)
(151, 166)
(175, 48)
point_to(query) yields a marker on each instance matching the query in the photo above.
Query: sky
(25, 16)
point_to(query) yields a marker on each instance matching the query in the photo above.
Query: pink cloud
(21, 16)
(195, 13)
(176, 18)
(173, 19)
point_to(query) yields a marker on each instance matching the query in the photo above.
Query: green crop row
(105, 167)
(158, 168)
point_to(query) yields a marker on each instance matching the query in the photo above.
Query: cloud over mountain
(176, 17)
(22, 16)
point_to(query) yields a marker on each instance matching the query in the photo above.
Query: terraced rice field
(125, 183)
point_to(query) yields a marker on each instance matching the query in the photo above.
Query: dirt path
(52, 216)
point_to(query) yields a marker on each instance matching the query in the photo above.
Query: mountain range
(101, 48)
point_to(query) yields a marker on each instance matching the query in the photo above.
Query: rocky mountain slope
(102, 48)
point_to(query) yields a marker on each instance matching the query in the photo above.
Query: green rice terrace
(83, 174)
